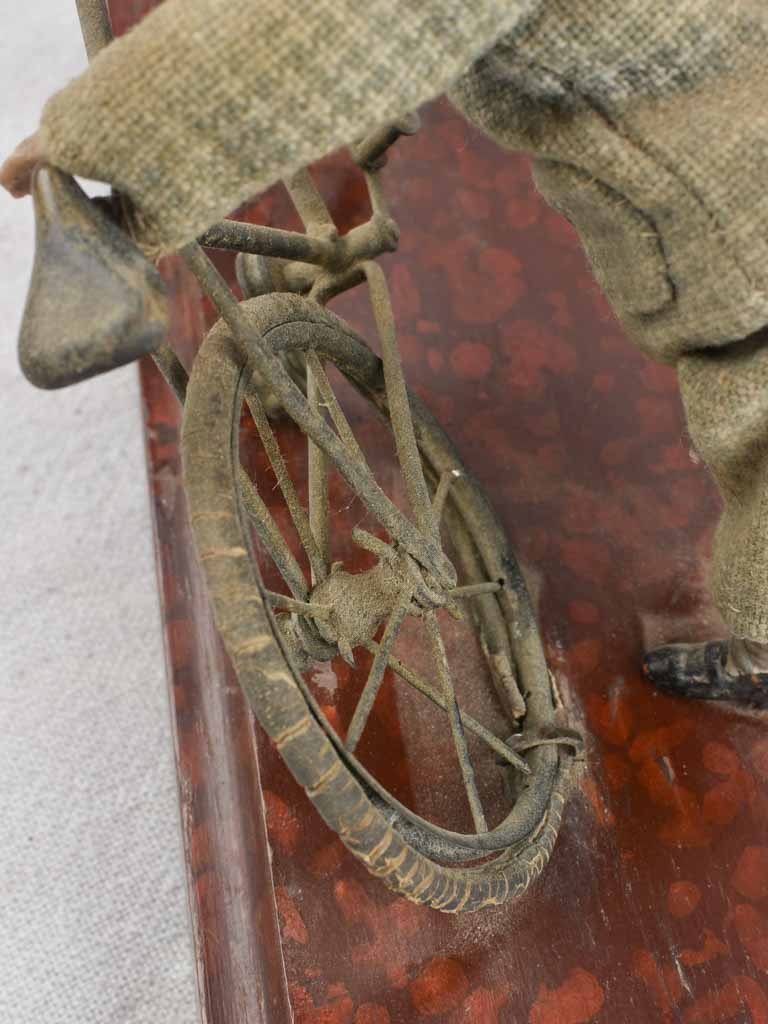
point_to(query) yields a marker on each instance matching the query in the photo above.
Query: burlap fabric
(647, 121)
(207, 102)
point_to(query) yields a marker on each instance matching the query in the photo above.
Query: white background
(93, 912)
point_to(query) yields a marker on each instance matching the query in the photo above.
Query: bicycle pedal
(95, 301)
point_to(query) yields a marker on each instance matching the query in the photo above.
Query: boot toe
(689, 670)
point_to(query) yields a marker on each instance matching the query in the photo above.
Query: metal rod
(375, 545)
(370, 152)
(317, 472)
(447, 479)
(470, 723)
(174, 374)
(95, 25)
(271, 537)
(476, 589)
(378, 668)
(399, 406)
(310, 205)
(379, 200)
(290, 604)
(332, 404)
(494, 627)
(213, 283)
(454, 716)
(297, 512)
(238, 236)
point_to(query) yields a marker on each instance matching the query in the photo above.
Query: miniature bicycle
(445, 556)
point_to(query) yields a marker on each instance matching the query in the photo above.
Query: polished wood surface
(655, 904)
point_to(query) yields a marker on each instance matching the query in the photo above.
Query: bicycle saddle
(95, 301)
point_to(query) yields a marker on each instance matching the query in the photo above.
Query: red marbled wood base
(655, 904)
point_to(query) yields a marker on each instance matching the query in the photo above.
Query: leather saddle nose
(95, 302)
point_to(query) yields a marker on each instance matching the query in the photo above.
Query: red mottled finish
(655, 904)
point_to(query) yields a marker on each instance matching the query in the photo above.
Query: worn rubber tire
(272, 687)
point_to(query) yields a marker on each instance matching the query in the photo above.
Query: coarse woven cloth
(647, 122)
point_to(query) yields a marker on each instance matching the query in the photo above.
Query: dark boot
(698, 671)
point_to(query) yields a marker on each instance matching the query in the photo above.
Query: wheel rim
(330, 339)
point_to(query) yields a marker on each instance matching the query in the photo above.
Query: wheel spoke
(332, 404)
(290, 604)
(494, 630)
(317, 471)
(399, 406)
(271, 537)
(477, 589)
(317, 220)
(295, 508)
(368, 542)
(447, 479)
(376, 675)
(454, 716)
(471, 724)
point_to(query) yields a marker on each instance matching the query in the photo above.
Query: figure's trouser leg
(726, 402)
(648, 130)
(725, 393)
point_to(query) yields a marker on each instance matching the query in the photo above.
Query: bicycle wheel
(448, 869)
